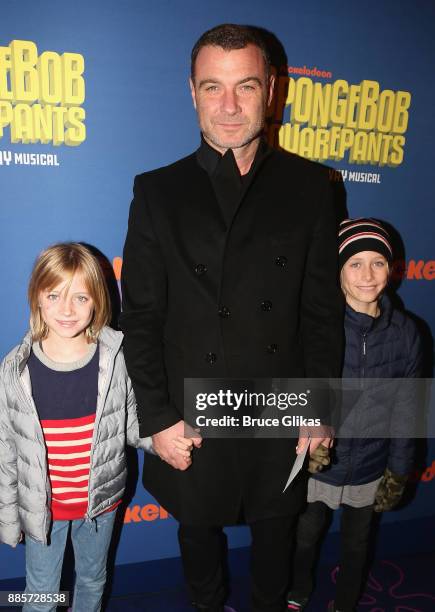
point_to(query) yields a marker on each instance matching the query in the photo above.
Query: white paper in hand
(297, 465)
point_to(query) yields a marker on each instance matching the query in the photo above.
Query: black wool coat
(257, 297)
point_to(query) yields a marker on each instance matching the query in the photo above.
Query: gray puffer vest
(25, 494)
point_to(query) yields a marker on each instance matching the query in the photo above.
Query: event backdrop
(92, 93)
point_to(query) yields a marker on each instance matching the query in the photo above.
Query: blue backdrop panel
(137, 115)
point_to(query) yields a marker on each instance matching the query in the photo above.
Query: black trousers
(203, 555)
(354, 539)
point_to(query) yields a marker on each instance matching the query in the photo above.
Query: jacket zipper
(364, 352)
(99, 413)
(29, 401)
(361, 385)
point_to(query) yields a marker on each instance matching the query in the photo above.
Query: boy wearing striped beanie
(366, 474)
(365, 257)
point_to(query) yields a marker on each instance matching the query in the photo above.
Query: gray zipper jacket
(25, 494)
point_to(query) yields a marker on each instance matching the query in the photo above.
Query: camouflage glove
(319, 459)
(389, 492)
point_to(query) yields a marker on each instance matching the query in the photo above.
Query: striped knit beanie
(356, 235)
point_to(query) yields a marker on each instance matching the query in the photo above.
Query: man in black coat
(230, 271)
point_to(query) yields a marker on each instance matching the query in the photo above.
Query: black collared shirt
(229, 185)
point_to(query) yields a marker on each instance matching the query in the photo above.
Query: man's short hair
(230, 36)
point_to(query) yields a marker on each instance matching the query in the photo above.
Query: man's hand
(174, 445)
(315, 436)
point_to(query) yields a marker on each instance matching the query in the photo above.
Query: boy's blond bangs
(62, 261)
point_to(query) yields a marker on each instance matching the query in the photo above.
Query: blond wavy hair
(61, 261)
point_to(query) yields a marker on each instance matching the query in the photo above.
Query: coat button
(281, 261)
(266, 305)
(200, 269)
(272, 348)
(224, 312)
(211, 358)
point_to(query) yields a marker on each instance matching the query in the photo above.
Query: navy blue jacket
(383, 347)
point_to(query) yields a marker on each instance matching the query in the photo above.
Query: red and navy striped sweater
(65, 397)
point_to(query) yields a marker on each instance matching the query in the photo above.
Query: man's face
(230, 95)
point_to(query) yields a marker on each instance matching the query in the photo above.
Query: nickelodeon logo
(414, 270)
(148, 513)
(425, 475)
(117, 267)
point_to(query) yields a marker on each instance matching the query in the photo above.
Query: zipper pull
(364, 344)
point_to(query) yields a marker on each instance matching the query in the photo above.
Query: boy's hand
(318, 459)
(390, 491)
